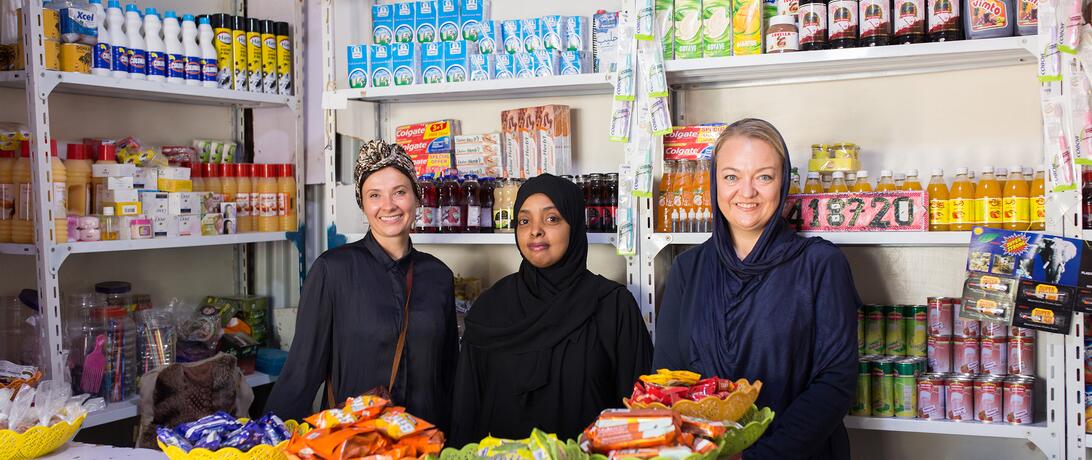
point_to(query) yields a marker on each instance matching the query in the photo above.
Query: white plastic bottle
(138, 54)
(101, 61)
(191, 50)
(157, 53)
(119, 43)
(176, 59)
(209, 69)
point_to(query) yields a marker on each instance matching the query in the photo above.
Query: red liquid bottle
(593, 203)
(429, 213)
(612, 202)
(488, 186)
(451, 209)
(473, 205)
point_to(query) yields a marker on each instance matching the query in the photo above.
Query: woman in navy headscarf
(757, 301)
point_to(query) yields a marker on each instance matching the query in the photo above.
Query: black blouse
(347, 328)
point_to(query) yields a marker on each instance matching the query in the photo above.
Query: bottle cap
(262, 171)
(170, 14)
(1027, 171)
(961, 171)
(203, 20)
(288, 170)
(253, 25)
(151, 12)
(212, 169)
(24, 148)
(900, 176)
(862, 173)
(987, 170)
(851, 176)
(187, 18)
(938, 172)
(114, 4)
(783, 20)
(838, 175)
(1040, 168)
(282, 28)
(1016, 169)
(132, 8)
(473, 177)
(77, 152)
(238, 22)
(113, 287)
(106, 152)
(885, 173)
(268, 28)
(911, 173)
(813, 175)
(229, 170)
(217, 20)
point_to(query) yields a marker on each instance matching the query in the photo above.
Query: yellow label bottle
(988, 197)
(1037, 204)
(269, 58)
(254, 55)
(238, 54)
(862, 185)
(284, 59)
(838, 183)
(221, 28)
(886, 183)
(813, 184)
(1015, 210)
(961, 202)
(938, 203)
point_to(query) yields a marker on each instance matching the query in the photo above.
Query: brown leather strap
(405, 328)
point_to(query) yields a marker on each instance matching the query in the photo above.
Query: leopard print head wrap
(376, 155)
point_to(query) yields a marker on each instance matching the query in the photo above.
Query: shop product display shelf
(18, 249)
(991, 430)
(166, 243)
(558, 85)
(123, 88)
(480, 238)
(850, 238)
(128, 408)
(841, 64)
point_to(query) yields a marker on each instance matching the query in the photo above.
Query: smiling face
(389, 203)
(748, 184)
(542, 234)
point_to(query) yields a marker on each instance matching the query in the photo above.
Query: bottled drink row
(470, 204)
(683, 199)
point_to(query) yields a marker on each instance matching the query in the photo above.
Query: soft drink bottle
(430, 205)
(487, 205)
(612, 201)
(472, 204)
(451, 210)
(500, 214)
(593, 203)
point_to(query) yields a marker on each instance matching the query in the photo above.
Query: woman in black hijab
(552, 345)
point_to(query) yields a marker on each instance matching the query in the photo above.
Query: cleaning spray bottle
(176, 60)
(138, 54)
(157, 59)
(119, 43)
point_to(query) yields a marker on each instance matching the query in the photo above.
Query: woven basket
(729, 409)
(259, 452)
(37, 441)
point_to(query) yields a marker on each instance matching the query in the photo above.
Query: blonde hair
(757, 129)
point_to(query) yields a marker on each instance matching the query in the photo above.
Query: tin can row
(945, 321)
(892, 330)
(886, 385)
(992, 356)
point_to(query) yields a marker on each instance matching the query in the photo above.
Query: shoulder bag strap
(405, 328)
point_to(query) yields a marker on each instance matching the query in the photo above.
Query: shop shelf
(480, 238)
(123, 88)
(166, 243)
(18, 249)
(840, 64)
(128, 408)
(926, 239)
(990, 430)
(559, 85)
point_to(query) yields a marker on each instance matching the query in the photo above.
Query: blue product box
(553, 32)
(455, 60)
(424, 21)
(447, 20)
(491, 38)
(572, 62)
(1033, 256)
(576, 33)
(432, 62)
(512, 31)
(525, 65)
(380, 66)
(406, 63)
(405, 29)
(482, 67)
(505, 67)
(472, 14)
(532, 34)
(546, 63)
(382, 24)
(358, 66)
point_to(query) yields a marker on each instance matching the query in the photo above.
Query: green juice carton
(688, 35)
(665, 20)
(716, 28)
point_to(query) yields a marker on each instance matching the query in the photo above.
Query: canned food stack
(976, 371)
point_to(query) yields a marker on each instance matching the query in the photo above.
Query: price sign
(901, 211)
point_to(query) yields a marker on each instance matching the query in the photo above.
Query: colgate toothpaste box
(692, 142)
(431, 145)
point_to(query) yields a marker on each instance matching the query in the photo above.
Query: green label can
(860, 332)
(894, 331)
(863, 405)
(882, 376)
(916, 321)
(904, 388)
(873, 331)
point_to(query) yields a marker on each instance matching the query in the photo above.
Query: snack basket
(32, 382)
(729, 409)
(259, 452)
(37, 441)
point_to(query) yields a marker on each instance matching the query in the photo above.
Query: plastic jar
(155, 340)
(286, 198)
(116, 294)
(119, 373)
(266, 186)
(7, 194)
(22, 230)
(782, 36)
(244, 186)
(78, 167)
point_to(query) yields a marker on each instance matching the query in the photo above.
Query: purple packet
(211, 441)
(218, 422)
(245, 438)
(169, 437)
(275, 430)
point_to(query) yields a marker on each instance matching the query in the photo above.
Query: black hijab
(547, 303)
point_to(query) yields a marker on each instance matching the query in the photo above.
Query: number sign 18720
(859, 212)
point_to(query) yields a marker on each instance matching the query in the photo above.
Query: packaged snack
(398, 424)
(197, 430)
(332, 418)
(169, 437)
(365, 407)
(706, 428)
(210, 440)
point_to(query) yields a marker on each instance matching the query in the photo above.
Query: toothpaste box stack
(425, 20)
(382, 24)
(447, 20)
(479, 154)
(430, 145)
(432, 63)
(692, 142)
(472, 14)
(505, 66)
(406, 63)
(358, 66)
(456, 56)
(512, 144)
(380, 68)
(605, 37)
(405, 30)
(481, 67)
(529, 142)
(554, 128)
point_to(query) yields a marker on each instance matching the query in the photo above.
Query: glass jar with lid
(117, 294)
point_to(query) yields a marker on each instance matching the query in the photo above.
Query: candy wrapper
(398, 424)
(375, 430)
(221, 430)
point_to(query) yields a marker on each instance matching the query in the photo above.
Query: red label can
(1019, 400)
(994, 330)
(965, 358)
(931, 397)
(959, 400)
(988, 399)
(1022, 356)
(939, 351)
(940, 317)
(994, 355)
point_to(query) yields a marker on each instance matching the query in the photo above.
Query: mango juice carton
(747, 27)
(512, 31)
(665, 19)
(432, 62)
(605, 36)
(491, 39)
(572, 62)
(546, 63)
(406, 63)
(447, 20)
(455, 60)
(383, 24)
(505, 66)
(472, 14)
(532, 34)
(380, 66)
(424, 21)
(358, 66)
(688, 30)
(405, 29)
(525, 65)
(481, 67)
(552, 32)
(716, 28)
(575, 34)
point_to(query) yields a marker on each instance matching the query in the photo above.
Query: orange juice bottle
(684, 184)
(938, 203)
(961, 202)
(286, 198)
(911, 182)
(862, 185)
(988, 197)
(887, 182)
(1014, 204)
(266, 186)
(664, 199)
(244, 186)
(851, 180)
(794, 182)
(1028, 173)
(1002, 176)
(813, 185)
(838, 183)
(1037, 203)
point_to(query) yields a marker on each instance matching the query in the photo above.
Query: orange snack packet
(702, 427)
(430, 441)
(398, 424)
(330, 445)
(332, 418)
(362, 445)
(703, 446)
(366, 406)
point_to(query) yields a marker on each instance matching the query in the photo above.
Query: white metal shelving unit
(40, 84)
(499, 239)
